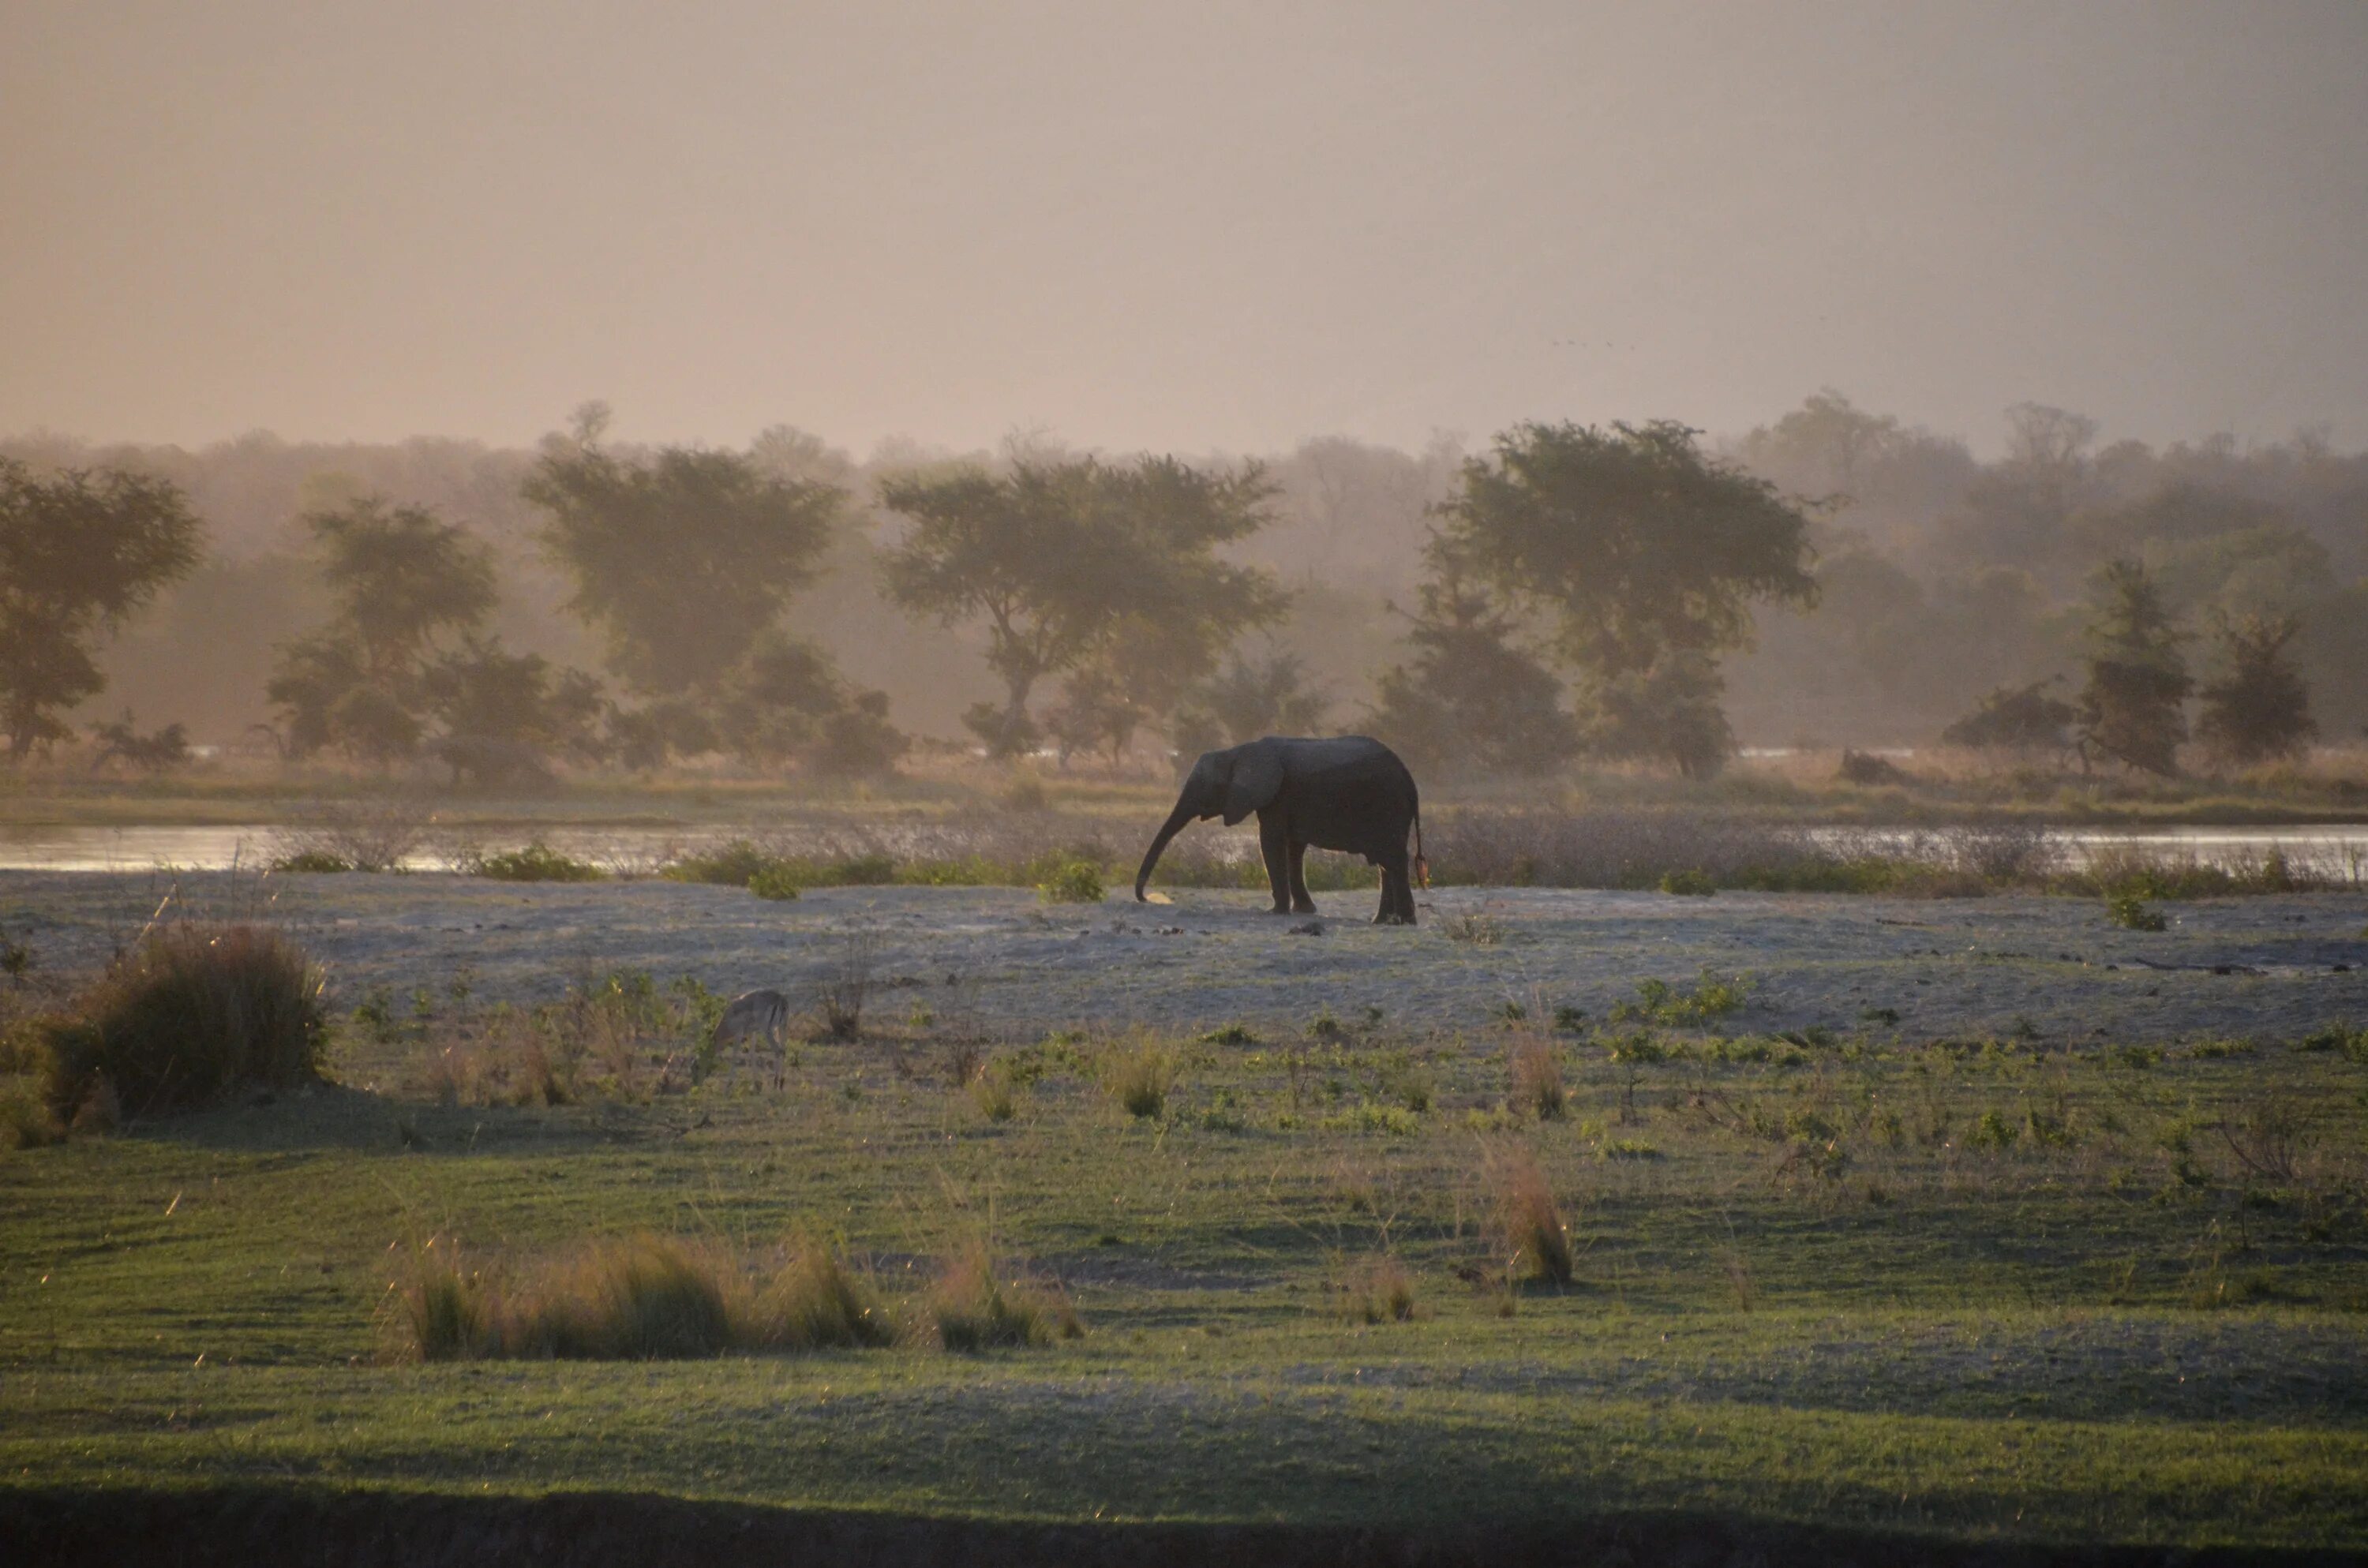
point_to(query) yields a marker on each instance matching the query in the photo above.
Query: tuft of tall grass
(1139, 1077)
(646, 1298)
(1537, 1078)
(1536, 1242)
(972, 1311)
(1377, 1290)
(818, 1302)
(192, 1011)
(996, 1093)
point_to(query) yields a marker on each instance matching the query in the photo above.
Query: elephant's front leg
(1274, 848)
(1300, 904)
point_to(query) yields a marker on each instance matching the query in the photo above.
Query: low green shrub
(537, 862)
(1689, 883)
(312, 861)
(2128, 910)
(997, 1092)
(26, 1120)
(192, 1011)
(734, 864)
(778, 883)
(1072, 882)
(1658, 1002)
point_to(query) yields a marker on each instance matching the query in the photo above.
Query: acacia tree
(79, 552)
(688, 561)
(400, 578)
(1473, 698)
(682, 559)
(2015, 718)
(1059, 557)
(2133, 706)
(1645, 554)
(2260, 706)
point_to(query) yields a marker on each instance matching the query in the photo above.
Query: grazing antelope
(755, 1015)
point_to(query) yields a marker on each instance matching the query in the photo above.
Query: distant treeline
(1913, 582)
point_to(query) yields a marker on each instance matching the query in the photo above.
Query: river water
(2337, 851)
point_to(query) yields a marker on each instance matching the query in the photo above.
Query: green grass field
(1946, 1293)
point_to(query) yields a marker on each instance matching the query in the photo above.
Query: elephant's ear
(1257, 780)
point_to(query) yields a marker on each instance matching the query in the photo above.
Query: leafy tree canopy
(1471, 699)
(1056, 556)
(2259, 708)
(1638, 542)
(2132, 707)
(400, 574)
(683, 558)
(80, 550)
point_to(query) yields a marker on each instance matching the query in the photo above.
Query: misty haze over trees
(1835, 577)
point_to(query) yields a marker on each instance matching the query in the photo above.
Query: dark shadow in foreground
(561, 1530)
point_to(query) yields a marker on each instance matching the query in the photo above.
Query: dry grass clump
(1377, 1290)
(1536, 1242)
(972, 1311)
(192, 1011)
(995, 1092)
(646, 1298)
(1537, 1078)
(1139, 1077)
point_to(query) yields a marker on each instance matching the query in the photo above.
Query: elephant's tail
(1421, 865)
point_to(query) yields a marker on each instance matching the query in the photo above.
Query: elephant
(1348, 792)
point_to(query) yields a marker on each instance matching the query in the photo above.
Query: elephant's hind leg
(1302, 902)
(1397, 895)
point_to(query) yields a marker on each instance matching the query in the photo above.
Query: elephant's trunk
(1168, 830)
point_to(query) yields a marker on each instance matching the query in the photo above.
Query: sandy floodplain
(2268, 967)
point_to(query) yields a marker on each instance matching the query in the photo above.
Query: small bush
(1139, 1078)
(1475, 930)
(1394, 1121)
(734, 864)
(1377, 1290)
(1536, 1242)
(26, 1120)
(1537, 1079)
(1230, 1034)
(191, 1012)
(974, 1311)
(1072, 882)
(1993, 1132)
(1629, 1149)
(778, 883)
(2128, 911)
(538, 862)
(321, 862)
(2352, 1043)
(995, 1094)
(1689, 883)
(1658, 1002)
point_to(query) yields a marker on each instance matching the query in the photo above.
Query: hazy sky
(1184, 225)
